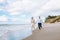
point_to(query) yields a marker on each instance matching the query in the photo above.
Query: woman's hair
(31, 17)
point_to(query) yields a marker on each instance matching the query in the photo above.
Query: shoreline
(48, 32)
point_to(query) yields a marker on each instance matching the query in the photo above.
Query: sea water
(14, 31)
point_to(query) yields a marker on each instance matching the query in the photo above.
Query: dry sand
(48, 32)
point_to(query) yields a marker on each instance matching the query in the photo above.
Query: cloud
(36, 7)
(52, 5)
(14, 13)
(3, 18)
(14, 19)
(1, 1)
(1, 9)
(19, 6)
(31, 7)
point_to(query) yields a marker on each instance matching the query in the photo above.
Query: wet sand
(48, 32)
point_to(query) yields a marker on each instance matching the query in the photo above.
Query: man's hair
(39, 16)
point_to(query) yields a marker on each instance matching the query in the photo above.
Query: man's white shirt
(39, 21)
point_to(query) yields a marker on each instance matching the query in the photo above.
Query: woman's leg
(33, 27)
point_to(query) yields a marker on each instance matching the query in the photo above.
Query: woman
(33, 23)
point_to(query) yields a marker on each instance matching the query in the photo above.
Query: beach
(49, 31)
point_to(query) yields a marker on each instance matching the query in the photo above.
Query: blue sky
(21, 11)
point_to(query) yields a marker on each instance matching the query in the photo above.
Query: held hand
(35, 23)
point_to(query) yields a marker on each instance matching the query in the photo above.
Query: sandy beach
(48, 32)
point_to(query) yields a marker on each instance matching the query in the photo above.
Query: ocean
(14, 31)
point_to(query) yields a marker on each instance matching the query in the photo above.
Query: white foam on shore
(16, 32)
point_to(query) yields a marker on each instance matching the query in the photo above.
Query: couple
(39, 21)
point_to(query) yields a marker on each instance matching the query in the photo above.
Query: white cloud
(1, 9)
(15, 7)
(51, 5)
(35, 7)
(14, 13)
(37, 13)
(23, 16)
(14, 19)
(25, 5)
(3, 18)
(1, 1)
(48, 6)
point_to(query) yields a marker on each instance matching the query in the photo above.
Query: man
(39, 23)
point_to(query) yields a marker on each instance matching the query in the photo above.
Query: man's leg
(39, 25)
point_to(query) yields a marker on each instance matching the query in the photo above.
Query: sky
(21, 11)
